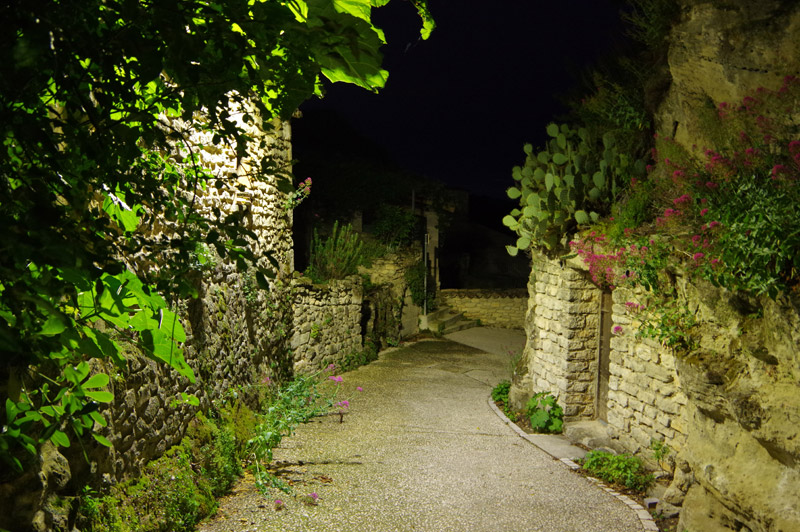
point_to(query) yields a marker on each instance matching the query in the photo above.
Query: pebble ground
(421, 450)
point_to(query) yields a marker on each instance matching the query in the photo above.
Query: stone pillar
(562, 330)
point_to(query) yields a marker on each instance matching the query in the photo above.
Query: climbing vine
(99, 178)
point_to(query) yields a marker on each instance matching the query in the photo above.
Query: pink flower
(337, 379)
(617, 330)
(343, 404)
(265, 380)
(703, 212)
(331, 367)
(712, 225)
(698, 256)
(359, 389)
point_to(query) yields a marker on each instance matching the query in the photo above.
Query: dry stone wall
(729, 407)
(236, 335)
(645, 400)
(390, 271)
(561, 351)
(326, 323)
(495, 308)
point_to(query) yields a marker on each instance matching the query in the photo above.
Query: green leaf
(513, 193)
(512, 250)
(543, 157)
(523, 242)
(100, 397)
(548, 180)
(581, 217)
(54, 325)
(98, 380)
(102, 440)
(60, 439)
(560, 158)
(552, 130)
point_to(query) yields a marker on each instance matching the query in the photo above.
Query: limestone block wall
(390, 270)
(495, 308)
(326, 323)
(645, 399)
(561, 350)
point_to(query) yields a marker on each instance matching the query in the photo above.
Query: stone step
(460, 326)
(447, 320)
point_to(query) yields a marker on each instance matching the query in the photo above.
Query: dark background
(457, 109)
(459, 106)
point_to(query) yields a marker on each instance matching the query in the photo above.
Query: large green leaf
(581, 217)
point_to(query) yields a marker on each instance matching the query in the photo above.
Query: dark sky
(460, 106)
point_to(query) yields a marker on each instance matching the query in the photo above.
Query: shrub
(395, 226)
(337, 256)
(415, 277)
(544, 413)
(500, 392)
(623, 469)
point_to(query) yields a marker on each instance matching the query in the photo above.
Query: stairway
(445, 321)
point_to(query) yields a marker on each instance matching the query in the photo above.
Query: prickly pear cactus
(572, 181)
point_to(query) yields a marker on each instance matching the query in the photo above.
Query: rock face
(742, 450)
(721, 51)
(743, 414)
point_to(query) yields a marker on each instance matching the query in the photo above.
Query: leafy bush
(337, 256)
(544, 413)
(623, 469)
(415, 277)
(394, 226)
(500, 392)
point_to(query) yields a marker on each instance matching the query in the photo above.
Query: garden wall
(495, 308)
(561, 350)
(390, 271)
(327, 323)
(237, 334)
(729, 406)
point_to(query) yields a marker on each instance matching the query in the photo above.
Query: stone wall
(390, 271)
(236, 335)
(645, 400)
(729, 406)
(560, 355)
(495, 308)
(327, 323)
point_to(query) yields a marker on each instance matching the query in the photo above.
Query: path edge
(648, 524)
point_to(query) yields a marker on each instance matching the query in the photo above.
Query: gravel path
(421, 450)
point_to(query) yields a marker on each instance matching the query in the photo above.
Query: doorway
(603, 356)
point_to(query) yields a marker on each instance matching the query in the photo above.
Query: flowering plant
(296, 197)
(288, 407)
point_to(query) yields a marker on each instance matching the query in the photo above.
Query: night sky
(459, 107)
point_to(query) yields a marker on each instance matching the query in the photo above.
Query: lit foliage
(572, 181)
(97, 100)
